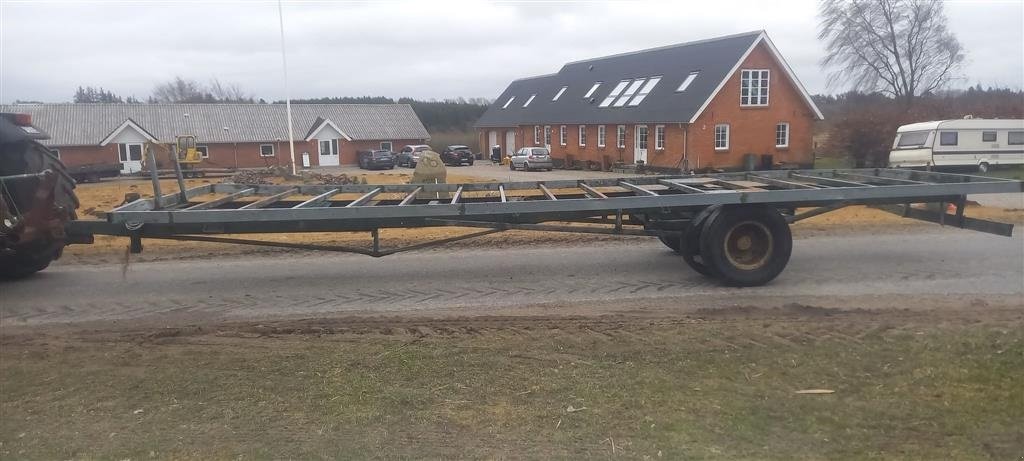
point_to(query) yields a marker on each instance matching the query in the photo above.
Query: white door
(329, 152)
(510, 142)
(640, 144)
(492, 139)
(131, 157)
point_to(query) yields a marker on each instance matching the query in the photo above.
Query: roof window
(644, 91)
(529, 100)
(614, 94)
(686, 83)
(509, 102)
(592, 89)
(630, 91)
(559, 94)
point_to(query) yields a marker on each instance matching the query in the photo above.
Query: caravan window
(988, 136)
(948, 138)
(912, 139)
(1015, 138)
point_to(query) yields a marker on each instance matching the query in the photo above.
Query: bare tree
(901, 48)
(179, 90)
(229, 92)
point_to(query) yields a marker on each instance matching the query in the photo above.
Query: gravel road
(941, 262)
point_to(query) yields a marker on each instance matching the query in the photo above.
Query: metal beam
(501, 190)
(545, 227)
(316, 201)
(817, 212)
(780, 183)
(882, 179)
(975, 224)
(680, 187)
(829, 181)
(365, 198)
(166, 200)
(457, 196)
(262, 203)
(220, 201)
(593, 193)
(635, 188)
(547, 192)
(411, 196)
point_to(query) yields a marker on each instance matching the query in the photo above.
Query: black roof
(714, 59)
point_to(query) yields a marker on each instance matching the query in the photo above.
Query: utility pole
(287, 99)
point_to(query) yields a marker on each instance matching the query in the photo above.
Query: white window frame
(124, 151)
(686, 83)
(620, 136)
(529, 100)
(630, 91)
(271, 146)
(592, 89)
(332, 147)
(560, 92)
(536, 135)
(581, 134)
(204, 150)
(644, 91)
(547, 135)
(755, 93)
(615, 93)
(508, 103)
(659, 137)
(390, 145)
(785, 127)
(562, 135)
(727, 129)
(602, 134)
(56, 153)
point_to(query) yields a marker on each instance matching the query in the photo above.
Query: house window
(559, 94)
(644, 91)
(592, 89)
(56, 153)
(754, 87)
(782, 135)
(620, 136)
(547, 135)
(267, 150)
(1015, 138)
(385, 145)
(614, 94)
(536, 135)
(988, 136)
(601, 134)
(641, 137)
(529, 100)
(507, 103)
(204, 151)
(630, 91)
(948, 138)
(722, 136)
(130, 152)
(583, 135)
(327, 147)
(686, 83)
(659, 137)
(561, 135)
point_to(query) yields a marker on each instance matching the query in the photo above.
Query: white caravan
(979, 143)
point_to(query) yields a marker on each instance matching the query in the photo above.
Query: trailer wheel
(690, 243)
(672, 240)
(746, 245)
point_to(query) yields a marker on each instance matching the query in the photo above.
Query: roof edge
(665, 47)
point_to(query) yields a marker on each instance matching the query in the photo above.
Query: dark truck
(457, 155)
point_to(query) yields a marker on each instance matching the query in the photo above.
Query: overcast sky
(422, 49)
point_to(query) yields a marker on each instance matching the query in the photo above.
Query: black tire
(672, 240)
(22, 260)
(746, 246)
(526, 166)
(470, 162)
(511, 166)
(690, 242)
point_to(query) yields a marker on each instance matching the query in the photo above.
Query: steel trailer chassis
(733, 227)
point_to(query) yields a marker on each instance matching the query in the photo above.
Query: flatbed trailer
(733, 227)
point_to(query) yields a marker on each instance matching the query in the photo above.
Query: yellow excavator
(188, 156)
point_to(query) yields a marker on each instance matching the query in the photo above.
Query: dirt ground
(98, 197)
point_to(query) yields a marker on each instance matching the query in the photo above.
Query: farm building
(228, 135)
(698, 105)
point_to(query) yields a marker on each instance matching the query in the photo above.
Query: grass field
(906, 387)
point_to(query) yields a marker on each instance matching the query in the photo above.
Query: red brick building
(228, 135)
(698, 105)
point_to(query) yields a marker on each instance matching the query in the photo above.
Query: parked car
(410, 155)
(531, 158)
(376, 159)
(457, 155)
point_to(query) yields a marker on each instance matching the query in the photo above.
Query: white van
(979, 143)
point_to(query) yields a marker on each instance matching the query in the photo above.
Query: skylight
(615, 93)
(687, 82)
(559, 94)
(592, 89)
(646, 90)
(629, 92)
(529, 100)
(509, 102)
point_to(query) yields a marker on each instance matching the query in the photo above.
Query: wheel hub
(748, 245)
